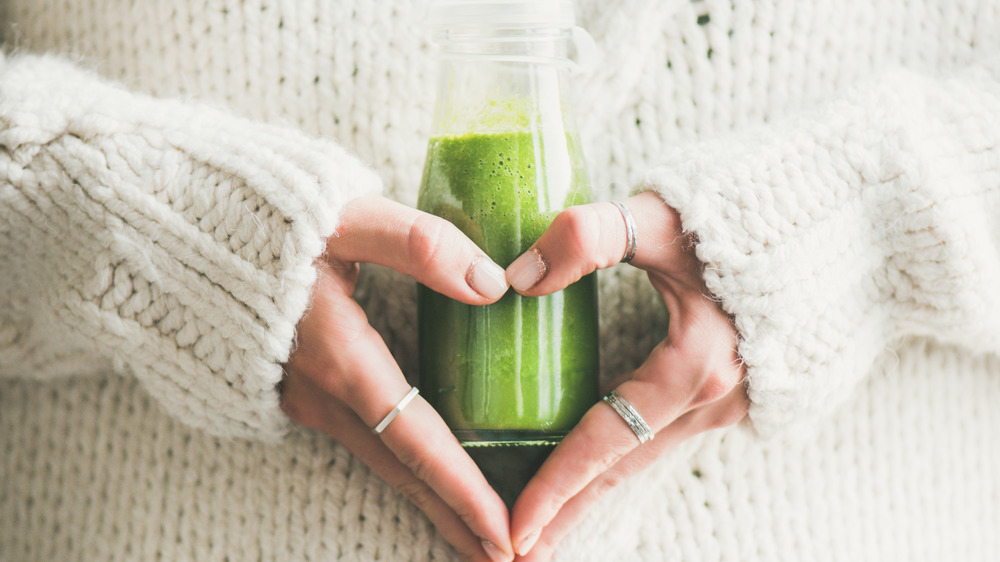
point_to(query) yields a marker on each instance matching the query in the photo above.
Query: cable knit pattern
(876, 211)
(838, 162)
(174, 240)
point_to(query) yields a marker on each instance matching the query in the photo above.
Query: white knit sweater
(839, 166)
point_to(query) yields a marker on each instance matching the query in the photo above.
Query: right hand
(342, 380)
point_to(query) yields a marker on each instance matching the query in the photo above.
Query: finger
(721, 413)
(429, 248)
(308, 405)
(579, 505)
(585, 238)
(668, 384)
(356, 367)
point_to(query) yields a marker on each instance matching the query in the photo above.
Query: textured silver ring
(395, 411)
(630, 242)
(630, 415)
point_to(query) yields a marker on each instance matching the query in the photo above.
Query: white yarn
(838, 163)
(875, 214)
(174, 239)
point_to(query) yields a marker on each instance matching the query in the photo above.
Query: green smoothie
(522, 370)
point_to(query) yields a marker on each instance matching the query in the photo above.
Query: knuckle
(336, 384)
(421, 468)
(341, 320)
(322, 374)
(329, 374)
(603, 457)
(607, 483)
(417, 492)
(713, 387)
(299, 412)
(556, 493)
(427, 240)
(350, 330)
(464, 511)
(580, 227)
(608, 459)
(557, 500)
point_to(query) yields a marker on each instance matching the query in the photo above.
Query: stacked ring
(630, 232)
(630, 415)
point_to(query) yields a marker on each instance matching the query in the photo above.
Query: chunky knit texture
(879, 213)
(900, 474)
(173, 241)
(838, 165)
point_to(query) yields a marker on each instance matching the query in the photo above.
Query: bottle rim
(572, 47)
(495, 14)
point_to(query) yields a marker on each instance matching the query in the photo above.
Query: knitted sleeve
(170, 241)
(830, 237)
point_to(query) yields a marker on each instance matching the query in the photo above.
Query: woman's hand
(342, 380)
(690, 383)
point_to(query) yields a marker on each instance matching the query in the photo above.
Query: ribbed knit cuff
(830, 236)
(173, 238)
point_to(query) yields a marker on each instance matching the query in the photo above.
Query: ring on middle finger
(627, 411)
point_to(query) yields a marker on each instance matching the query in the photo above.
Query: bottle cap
(501, 13)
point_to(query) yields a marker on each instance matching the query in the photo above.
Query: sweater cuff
(178, 239)
(800, 349)
(831, 236)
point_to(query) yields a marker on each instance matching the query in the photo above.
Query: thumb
(585, 238)
(433, 251)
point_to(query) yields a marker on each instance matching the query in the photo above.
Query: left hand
(691, 382)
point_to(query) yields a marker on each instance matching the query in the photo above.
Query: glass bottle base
(507, 437)
(508, 466)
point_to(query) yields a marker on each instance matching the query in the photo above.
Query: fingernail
(528, 542)
(486, 278)
(527, 270)
(494, 552)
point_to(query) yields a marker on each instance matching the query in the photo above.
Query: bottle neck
(488, 96)
(547, 45)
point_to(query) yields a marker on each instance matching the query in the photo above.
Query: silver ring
(630, 415)
(630, 243)
(395, 411)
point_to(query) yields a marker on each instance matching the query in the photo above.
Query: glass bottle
(503, 159)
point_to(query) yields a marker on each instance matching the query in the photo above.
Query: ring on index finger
(630, 231)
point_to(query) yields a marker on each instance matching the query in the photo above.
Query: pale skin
(341, 378)
(690, 383)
